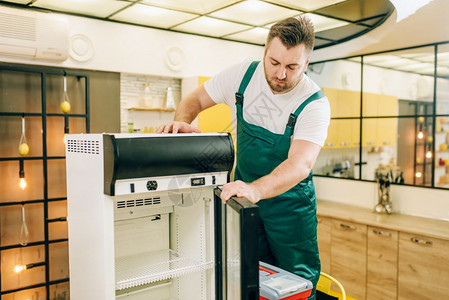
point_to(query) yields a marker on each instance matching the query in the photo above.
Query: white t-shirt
(271, 111)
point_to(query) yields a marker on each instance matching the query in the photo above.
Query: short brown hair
(293, 31)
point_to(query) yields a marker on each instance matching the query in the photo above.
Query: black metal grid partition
(34, 256)
(413, 115)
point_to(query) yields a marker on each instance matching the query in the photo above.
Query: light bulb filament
(19, 268)
(22, 183)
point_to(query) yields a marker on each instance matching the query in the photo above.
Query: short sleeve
(223, 86)
(313, 122)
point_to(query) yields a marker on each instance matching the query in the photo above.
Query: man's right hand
(177, 127)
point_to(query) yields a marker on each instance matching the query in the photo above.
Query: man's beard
(279, 89)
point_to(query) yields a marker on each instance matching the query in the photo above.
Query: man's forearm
(284, 177)
(187, 110)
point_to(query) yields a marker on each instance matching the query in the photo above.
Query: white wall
(139, 50)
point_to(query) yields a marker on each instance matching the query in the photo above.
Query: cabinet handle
(387, 142)
(345, 226)
(419, 241)
(330, 144)
(370, 143)
(383, 233)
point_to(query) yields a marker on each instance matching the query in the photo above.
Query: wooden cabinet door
(324, 243)
(382, 266)
(423, 268)
(348, 104)
(332, 97)
(348, 257)
(332, 135)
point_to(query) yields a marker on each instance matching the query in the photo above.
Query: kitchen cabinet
(343, 133)
(423, 267)
(324, 243)
(348, 256)
(382, 256)
(379, 131)
(382, 264)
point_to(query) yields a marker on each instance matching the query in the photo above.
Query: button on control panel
(152, 185)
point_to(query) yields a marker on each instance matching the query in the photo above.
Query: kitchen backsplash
(142, 90)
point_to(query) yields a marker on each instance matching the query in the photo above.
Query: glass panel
(59, 261)
(38, 293)
(56, 178)
(11, 223)
(414, 150)
(9, 181)
(442, 152)
(22, 256)
(57, 230)
(443, 80)
(233, 253)
(75, 92)
(340, 153)
(11, 132)
(379, 146)
(391, 77)
(23, 88)
(60, 291)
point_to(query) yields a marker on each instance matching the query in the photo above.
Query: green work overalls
(287, 234)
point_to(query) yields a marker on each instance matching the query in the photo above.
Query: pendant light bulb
(65, 103)
(429, 154)
(19, 268)
(22, 180)
(418, 174)
(420, 135)
(22, 183)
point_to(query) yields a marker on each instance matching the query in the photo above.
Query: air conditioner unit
(33, 35)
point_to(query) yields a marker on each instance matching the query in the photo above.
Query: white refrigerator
(145, 219)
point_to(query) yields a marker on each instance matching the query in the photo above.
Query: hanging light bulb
(22, 180)
(429, 154)
(65, 103)
(66, 128)
(19, 268)
(420, 135)
(24, 149)
(418, 175)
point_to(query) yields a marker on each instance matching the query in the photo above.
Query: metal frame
(43, 71)
(360, 22)
(434, 115)
(249, 259)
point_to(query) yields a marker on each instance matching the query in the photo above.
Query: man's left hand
(240, 189)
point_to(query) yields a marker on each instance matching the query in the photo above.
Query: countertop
(403, 223)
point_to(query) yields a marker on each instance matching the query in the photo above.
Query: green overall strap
(246, 79)
(293, 116)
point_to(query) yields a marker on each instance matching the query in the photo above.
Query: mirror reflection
(383, 110)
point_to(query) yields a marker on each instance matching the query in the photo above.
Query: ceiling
(247, 21)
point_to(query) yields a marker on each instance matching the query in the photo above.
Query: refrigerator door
(237, 259)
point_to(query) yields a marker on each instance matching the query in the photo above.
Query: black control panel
(152, 185)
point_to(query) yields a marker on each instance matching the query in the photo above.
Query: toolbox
(277, 284)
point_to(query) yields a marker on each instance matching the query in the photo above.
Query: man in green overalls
(282, 118)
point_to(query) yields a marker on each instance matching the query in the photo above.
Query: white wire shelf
(136, 270)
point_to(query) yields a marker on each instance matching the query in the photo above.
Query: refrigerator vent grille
(138, 202)
(83, 146)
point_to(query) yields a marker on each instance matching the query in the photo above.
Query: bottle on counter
(170, 101)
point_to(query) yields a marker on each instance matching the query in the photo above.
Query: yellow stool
(324, 285)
